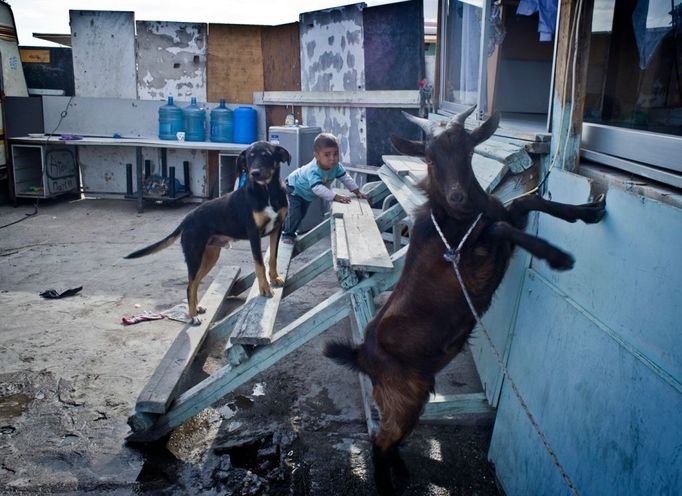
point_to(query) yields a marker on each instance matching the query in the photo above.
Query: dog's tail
(343, 353)
(159, 245)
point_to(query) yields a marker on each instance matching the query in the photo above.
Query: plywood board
(235, 62)
(281, 67)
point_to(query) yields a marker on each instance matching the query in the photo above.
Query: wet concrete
(70, 374)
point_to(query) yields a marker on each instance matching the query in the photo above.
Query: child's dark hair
(325, 140)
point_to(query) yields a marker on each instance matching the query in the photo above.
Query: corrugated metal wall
(333, 59)
(171, 60)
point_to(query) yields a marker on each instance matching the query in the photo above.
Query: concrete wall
(103, 47)
(595, 353)
(171, 60)
(332, 59)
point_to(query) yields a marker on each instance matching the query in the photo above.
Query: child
(313, 179)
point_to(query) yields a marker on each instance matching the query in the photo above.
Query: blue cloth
(303, 180)
(547, 10)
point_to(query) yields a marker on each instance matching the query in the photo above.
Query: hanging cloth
(547, 10)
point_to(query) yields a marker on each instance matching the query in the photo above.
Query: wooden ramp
(159, 391)
(364, 269)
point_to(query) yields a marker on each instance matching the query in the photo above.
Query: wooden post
(569, 88)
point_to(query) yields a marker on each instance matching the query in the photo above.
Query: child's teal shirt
(305, 178)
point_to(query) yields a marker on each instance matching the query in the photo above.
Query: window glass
(635, 69)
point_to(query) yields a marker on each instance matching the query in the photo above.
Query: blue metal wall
(596, 353)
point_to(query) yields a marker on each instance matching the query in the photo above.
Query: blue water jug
(171, 120)
(222, 123)
(195, 121)
(245, 125)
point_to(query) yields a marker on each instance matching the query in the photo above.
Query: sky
(52, 16)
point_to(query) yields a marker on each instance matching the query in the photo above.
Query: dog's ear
(282, 155)
(241, 162)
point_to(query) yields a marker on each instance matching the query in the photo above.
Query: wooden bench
(357, 244)
(164, 383)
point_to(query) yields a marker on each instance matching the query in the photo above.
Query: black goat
(426, 321)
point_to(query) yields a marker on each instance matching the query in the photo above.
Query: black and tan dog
(258, 209)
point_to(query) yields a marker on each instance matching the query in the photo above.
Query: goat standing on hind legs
(426, 320)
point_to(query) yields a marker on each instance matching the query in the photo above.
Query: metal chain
(452, 256)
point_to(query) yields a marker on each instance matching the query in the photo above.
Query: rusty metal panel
(103, 47)
(235, 63)
(281, 67)
(333, 59)
(171, 60)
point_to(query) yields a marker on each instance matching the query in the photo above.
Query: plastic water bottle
(222, 123)
(195, 122)
(171, 120)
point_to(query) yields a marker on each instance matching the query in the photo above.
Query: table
(138, 144)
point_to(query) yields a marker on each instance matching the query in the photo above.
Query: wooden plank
(570, 80)
(409, 197)
(444, 407)
(340, 244)
(256, 324)
(501, 132)
(488, 172)
(515, 157)
(357, 240)
(160, 389)
(364, 99)
(365, 244)
(362, 303)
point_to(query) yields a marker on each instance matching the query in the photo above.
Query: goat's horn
(427, 125)
(461, 117)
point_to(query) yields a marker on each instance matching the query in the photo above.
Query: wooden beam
(161, 387)
(568, 99)
(365, 99)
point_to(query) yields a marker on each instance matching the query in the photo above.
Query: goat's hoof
(201, 309)
(595, 210)
(400, 469)
(561, 261)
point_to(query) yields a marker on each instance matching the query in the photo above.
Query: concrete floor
(70, 373)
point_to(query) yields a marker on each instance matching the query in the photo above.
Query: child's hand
(342, 198)
(360, 194)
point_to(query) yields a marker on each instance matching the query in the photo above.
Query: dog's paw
(266, 291)
(196, 321)
(277, 281)
(201, 309)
